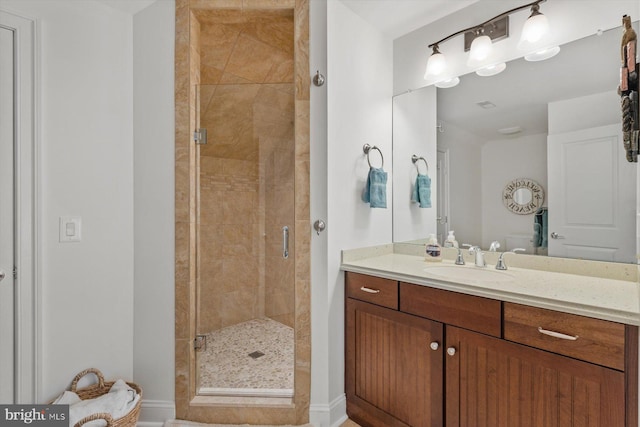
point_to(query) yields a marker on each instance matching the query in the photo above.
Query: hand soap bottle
(433, 250)
(451, 241)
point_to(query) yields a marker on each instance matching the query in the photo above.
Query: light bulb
(444, 84)
(542, 54)
(535, 28)
(436, 65)
(491, 70)
(480, 48)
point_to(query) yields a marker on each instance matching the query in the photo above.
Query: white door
(443, 195)
(592, 196)
(7, 137)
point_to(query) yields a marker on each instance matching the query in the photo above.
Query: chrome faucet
(501, 265)
(475, 250)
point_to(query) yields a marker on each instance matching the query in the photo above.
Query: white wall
(86, 158)
(499, 168)
(153, 112)
(358, 86)
(320, 410)
(414, 133)
(465, 179)
(589, 111)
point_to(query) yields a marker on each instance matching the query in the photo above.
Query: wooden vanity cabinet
(394, 361)
(493, 382)
(394, 377)
(493, 370)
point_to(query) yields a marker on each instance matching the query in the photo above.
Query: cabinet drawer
(372, 289)
(466, 311)
(593, 340)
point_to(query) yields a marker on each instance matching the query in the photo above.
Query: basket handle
(98, 416)
(96, 372)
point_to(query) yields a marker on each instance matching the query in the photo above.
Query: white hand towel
(118, 402)
(67, 398)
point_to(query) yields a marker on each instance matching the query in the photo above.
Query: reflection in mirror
(556, 122)
(522, 196)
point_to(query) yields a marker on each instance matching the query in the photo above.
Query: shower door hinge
(200, 136)
(200, 343)
(15, 273)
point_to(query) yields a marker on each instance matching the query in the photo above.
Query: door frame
(27, 215)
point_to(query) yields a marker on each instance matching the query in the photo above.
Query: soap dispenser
(451, 241)
(433, 251)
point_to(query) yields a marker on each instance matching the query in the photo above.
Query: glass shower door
(245, 217)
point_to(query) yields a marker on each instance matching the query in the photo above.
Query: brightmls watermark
(34, 415)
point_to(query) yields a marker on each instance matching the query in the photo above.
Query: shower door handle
(285, 242)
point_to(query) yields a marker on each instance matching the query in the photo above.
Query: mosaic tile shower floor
(225, 365)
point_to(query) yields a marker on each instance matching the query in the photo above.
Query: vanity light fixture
(479, 41)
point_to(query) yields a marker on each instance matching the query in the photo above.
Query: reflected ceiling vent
(486, 104)
(510, 131)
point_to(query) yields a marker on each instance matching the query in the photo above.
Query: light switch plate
(70, 229)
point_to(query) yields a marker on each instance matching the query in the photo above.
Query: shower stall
(242, 281)
(245, 250)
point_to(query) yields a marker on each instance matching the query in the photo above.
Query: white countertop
(601, 298)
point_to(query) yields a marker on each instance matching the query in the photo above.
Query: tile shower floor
(227, 368)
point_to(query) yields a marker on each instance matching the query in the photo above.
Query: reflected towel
(422, 191)
(540, 220)
(375, 190)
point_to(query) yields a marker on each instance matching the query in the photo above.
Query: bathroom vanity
(436, 344)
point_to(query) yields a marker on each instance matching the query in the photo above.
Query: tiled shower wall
(246, 103)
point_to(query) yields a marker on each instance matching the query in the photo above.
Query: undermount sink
(469, 273)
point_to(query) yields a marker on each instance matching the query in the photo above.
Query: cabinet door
(393, 376)
(494, 383)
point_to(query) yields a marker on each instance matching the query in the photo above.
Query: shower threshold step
(246, 392)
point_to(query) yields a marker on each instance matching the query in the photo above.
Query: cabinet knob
(434, 345)
(451, 351)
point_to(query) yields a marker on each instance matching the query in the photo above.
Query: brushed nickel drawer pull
(557, 334)
(369, 290)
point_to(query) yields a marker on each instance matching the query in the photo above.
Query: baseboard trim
(153, 413)
(331, 415)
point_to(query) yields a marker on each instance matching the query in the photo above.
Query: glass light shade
(481, 48)
(491, 70)
(444, 84)
(436, 65)
(542, 54)
(536, 27)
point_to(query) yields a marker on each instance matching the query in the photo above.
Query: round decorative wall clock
(523, 196)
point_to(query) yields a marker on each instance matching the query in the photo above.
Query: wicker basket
(97, 390)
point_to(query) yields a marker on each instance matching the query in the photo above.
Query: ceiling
(399, 17)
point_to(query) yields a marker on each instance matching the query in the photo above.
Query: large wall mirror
(556, 122)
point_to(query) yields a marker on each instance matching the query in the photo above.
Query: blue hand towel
(540, 239)
(375, 191)
(422, 191)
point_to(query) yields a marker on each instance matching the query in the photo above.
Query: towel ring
(367, 148)
(415, 160)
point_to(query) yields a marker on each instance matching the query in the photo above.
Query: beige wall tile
(215, 4)
(267, 4)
